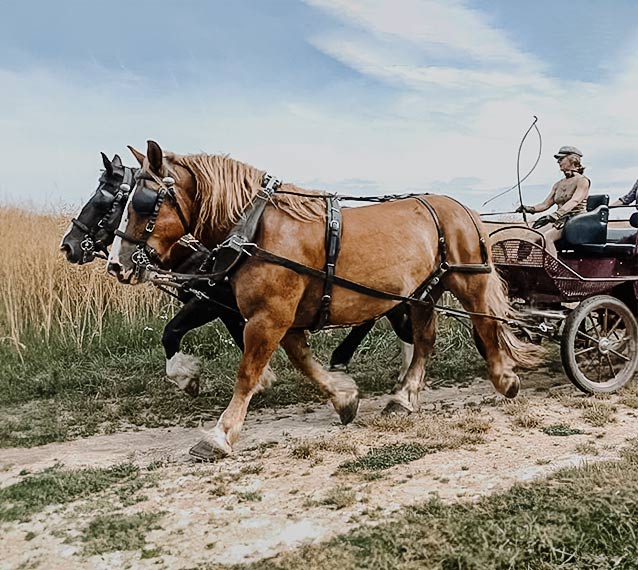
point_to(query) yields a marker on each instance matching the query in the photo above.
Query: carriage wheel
(599, 345)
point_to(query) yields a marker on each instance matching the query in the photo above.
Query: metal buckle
(87, 244)
(270, 183)
(140, 258)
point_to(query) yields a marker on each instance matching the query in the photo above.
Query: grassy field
(80, 354)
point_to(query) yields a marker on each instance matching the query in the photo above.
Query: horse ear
(107, 164)
(137, 154)
(117, 161)
(155, 156)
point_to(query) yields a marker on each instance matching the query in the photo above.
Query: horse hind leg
(406, 399)
(485, 293)
(340, 387)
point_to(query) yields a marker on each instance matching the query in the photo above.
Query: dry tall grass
(40, 292)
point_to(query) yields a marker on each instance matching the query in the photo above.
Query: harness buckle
(87, 244)
(270, 183)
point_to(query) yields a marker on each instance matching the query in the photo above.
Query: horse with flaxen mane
(393, 247)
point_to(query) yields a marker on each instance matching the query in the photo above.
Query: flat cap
(565, 150)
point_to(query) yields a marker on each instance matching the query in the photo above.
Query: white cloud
(432, 24)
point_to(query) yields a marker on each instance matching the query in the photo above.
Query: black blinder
(103, 199)
(144, 201)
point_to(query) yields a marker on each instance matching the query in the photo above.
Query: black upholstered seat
(588, 232)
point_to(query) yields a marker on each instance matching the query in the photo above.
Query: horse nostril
(68, 250)
(114, 269)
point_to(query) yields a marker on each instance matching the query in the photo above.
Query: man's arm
(627, 198)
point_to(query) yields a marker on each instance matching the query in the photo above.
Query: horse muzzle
(123, 275)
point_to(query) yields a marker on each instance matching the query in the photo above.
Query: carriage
(586, 298)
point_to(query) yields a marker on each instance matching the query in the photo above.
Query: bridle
(148, 202)
(90, 246)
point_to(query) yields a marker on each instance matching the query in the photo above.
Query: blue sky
(356, 96)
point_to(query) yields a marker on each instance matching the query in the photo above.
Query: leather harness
(226, 258)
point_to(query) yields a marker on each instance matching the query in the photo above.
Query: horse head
(157, 215)
(93, 230)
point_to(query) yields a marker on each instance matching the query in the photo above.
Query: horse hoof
(338, 367)
(349, 411)
(394, 408)
(192, 388)
(206, 450)
(512, 391)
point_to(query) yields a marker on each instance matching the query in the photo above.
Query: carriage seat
(588, 232)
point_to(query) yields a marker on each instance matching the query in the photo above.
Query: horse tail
(523, 353)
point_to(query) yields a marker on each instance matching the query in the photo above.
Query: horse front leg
(341, 389)
(183, 370)
(261, 337)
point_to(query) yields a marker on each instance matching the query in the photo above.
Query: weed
(339, 497)
(599, 414)
(587, 448)
(150, 553)
(527, 420)
(389, 423)
(309, 449)
(252, 469)
(249, 497)
(629, 396)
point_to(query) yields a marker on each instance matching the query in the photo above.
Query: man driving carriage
(569, 194)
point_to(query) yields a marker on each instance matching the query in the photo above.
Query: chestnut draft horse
(391, 247)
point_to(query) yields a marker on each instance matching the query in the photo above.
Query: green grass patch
(385, 457)
(55, 486)
(117, 531)
(579, 518)
(561, 430)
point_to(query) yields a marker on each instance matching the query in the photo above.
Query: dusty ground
(283, 487)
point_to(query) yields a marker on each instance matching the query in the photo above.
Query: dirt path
(284, 487)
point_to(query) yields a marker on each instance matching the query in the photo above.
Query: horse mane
(225, 187)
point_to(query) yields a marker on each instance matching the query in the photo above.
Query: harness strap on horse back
(333, 245)
(230, 252)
